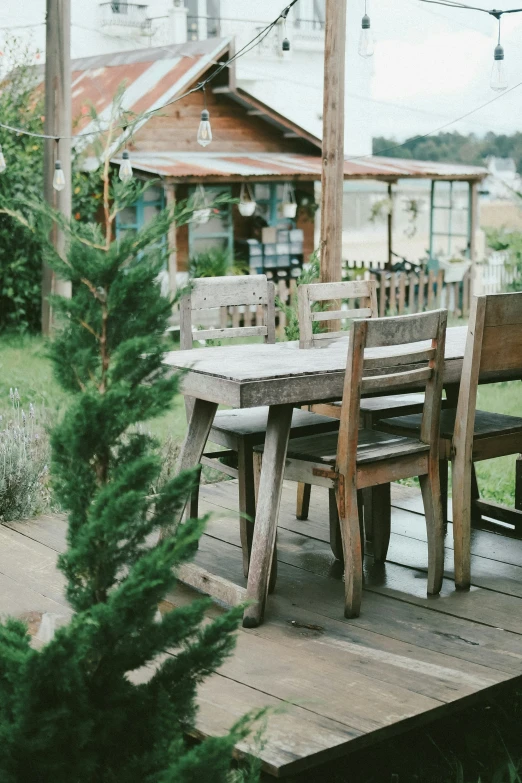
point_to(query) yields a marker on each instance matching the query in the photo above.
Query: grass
(24, 364)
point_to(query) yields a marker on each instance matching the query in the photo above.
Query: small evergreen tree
(71, 712)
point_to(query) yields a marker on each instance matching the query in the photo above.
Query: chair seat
(373, 446)
(487, 425)
(251, 423)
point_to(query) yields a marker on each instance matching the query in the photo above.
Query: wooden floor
(336, 685)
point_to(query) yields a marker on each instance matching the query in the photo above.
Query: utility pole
(333, 142)
(58, 122)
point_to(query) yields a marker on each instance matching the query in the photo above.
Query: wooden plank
(216, 586)
(385, 332)
(350, 289)
(396, 380)
(413, 357)
(228, 291)
(411, 293)
(402, 292)
(363, 312)
(496, 510)
(230, 333)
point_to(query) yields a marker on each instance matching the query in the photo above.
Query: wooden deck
(337, 685)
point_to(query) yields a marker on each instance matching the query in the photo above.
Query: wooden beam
(170, 197)
(333, 142)
(58, 123)
(474, 222)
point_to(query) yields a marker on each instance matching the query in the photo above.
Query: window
(131, 219)
(269, 200)
(312, 15)
(217, 232)
(207, 12)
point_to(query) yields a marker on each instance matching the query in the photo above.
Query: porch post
(432, 204)
(333, 142)
(170, 197)
(390, 226)
(473, 228)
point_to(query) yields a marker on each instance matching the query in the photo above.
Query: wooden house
(256, 154)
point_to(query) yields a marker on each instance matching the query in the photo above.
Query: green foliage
(103, 701)
(457, 147)
(22, 106)
(20, 254)
(511, 241)
(215, 263)
(307, 276)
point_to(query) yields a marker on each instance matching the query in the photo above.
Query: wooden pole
(170, 193)
(333, 142)
(473, 228)
(58, 122)
(390, 226)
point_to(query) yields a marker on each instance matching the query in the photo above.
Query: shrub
(24, 457)
(110, 698)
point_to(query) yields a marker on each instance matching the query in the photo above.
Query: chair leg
(518, 483)
(257, 464)
(443, 472)
(430, 486)
(192, 508)
(367, 495)
(351, 534)
(303, 500)
(462, 502)
(476, 516)
(381, 500)
(247, 500)
(336, 541)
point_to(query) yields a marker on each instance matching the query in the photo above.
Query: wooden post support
(518, 483)
(390, 227)
(333, 142)
(474, 222)
(58, 122)
(170, 198)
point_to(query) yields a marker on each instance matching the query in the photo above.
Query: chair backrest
(362, 303)
(209, 293)
(411, 366)
(493, 346)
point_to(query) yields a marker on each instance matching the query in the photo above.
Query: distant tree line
(454, 147)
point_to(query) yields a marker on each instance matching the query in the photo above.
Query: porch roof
(237, 167)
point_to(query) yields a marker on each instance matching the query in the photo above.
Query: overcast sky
(432, 64)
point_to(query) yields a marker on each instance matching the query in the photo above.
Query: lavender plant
(24, 455)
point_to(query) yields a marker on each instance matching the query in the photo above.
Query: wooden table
(280, 376)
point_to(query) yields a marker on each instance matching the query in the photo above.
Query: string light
(3, 164)
(498, 81)
(59, 177)
(204, 136)
(366, 45)
(126, 172)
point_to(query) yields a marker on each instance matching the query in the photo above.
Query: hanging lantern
(289, 202)
(247, 204)
(203, 212)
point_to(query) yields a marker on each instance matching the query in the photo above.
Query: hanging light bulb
(366, 47)
(498, 72)
(126, 173)
(3, 164)
(286, 40)
(59, 177)
(204, 130)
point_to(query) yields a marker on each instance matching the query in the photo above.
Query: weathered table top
(245, 376)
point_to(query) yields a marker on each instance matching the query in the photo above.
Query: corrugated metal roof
(151, 77)
(230, 166)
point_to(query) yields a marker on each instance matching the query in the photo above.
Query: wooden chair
(355, 458)
(362, 303)
(467, 436)
(238, 431)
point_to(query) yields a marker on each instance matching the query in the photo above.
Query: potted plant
(203, 211)
(454, 267)
(247, 204)
(289, 202)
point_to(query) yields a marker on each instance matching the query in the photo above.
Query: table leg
(200, 424)
(270, 486)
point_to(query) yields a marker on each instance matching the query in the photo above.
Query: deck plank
(331, 685)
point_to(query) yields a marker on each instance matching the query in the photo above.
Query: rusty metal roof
(151, 77)
(225, 166)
